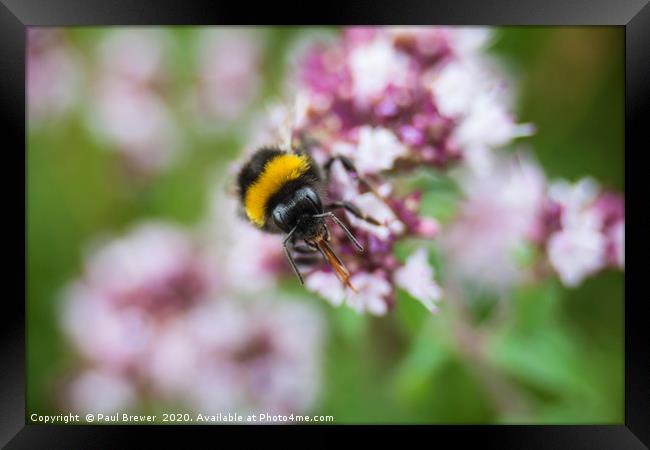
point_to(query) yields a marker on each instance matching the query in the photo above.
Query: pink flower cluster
(376, 273)
(426, 95)
(494, 220)
(388, 100)
(154, 321)
(393, 99)
(579, 229)
(584, 230)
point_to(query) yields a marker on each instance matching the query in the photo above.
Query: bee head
(311, 229)
(297, 212)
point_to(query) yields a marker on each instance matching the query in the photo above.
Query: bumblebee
(281, 191)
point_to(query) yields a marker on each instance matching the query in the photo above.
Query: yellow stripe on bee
(277, 172)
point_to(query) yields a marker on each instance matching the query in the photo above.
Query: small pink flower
(416, 277)
(576, 253)
(428, 227)
(373, 293)
(369, 204)
(591, 232)
(327, 285)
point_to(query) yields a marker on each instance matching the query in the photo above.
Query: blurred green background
(558, 356)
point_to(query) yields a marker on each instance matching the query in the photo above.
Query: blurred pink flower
(136, 123)
(497, 215)
(135, 55)
(129, 286)
(54, 74)
(155, 267)
(244, 357)
(230, 65)
(103, 334)
(153, 320)
(130, 109)
(97, 391)
(240, 251)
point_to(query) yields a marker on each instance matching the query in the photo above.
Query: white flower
(374, 66)
(455, 88)
(576, 252)
(467, 41)
(372, 206)
(376, 150)
(416, 277)
(487, 124)
(576, 200)
(579, 248)
(327, 285)
(372, 290)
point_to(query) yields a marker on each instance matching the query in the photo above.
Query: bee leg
(347, 164)
(354, 210)
(285, 244)
(303, 249)
(307, 260)
(350, 167)
(347, 232)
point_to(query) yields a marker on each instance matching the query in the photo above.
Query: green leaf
(426, 357)
(548, 360)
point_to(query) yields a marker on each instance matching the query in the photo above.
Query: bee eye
(314, 200)
(279, 218)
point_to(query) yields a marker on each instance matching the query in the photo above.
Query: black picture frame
(633, 15)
